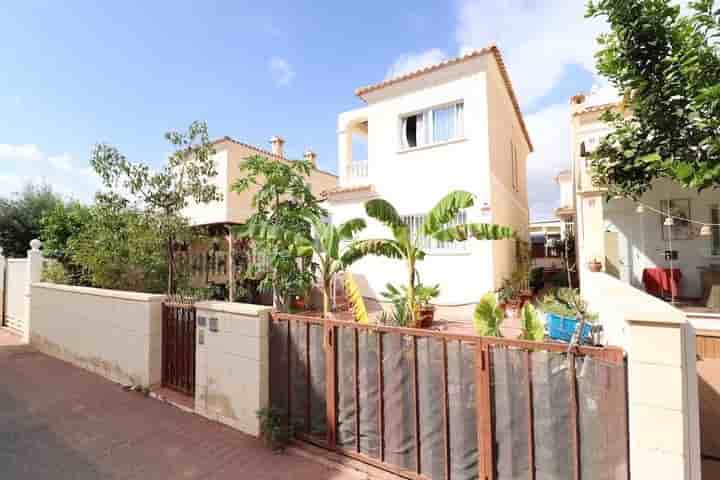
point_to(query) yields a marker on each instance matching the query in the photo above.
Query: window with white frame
(435, 125)
(415, 224)
(515, 167)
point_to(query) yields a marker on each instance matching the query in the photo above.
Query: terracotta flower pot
(595, 266)
(426, 316)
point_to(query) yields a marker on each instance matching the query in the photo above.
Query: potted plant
(595, 265)
(426, 312)
(565, 312)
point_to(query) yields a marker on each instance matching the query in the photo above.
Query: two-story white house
(453, 125)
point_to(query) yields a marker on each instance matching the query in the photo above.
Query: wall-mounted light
(669, 222)
(640, 208)
(705, 231)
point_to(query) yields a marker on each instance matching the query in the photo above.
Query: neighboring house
(631, 238)
(546, 236)
(546, 243)
(209, 259)
(235, 208)
(454, 125)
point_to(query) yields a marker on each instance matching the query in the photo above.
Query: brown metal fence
(431, 404)
(178, 347)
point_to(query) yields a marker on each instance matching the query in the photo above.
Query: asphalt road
(60, 422)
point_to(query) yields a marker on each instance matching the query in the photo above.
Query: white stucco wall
(112, 333)
(663, 405)
(415, 180)
(232, 364)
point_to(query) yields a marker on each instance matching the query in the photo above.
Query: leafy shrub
(275, 428)
(532, 325)
(54, 272)
(488, 316)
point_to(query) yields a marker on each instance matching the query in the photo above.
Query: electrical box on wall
(671, 255)
(214, 324)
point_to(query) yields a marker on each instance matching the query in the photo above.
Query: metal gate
(432, 404)
(178, 347)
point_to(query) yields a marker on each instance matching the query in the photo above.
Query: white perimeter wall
(663, 406)
(232, 363)
(112, 333)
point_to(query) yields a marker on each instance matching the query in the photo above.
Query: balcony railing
(357, 169)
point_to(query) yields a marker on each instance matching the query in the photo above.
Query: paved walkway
(60, 422)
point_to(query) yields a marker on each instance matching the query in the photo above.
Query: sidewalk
(61, 422)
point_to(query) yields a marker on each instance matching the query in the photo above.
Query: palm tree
(332, 258)
(437, 225)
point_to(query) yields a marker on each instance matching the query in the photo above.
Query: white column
(3, 265)
(34, 275)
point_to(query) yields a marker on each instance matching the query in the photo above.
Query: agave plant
(437, 225)
(488, 316)
(532, 324)
(331, 257)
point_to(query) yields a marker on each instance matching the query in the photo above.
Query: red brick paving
(60, 422)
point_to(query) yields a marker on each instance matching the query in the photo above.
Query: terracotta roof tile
(261, 151)
(491, 49)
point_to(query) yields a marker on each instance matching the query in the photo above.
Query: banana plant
(488, 316)
(405, 245)
(532, 324)
(330, 256)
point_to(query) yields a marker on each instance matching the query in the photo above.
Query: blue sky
(77, 73)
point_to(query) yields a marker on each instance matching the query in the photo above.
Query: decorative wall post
(34, 275)
(3, 269)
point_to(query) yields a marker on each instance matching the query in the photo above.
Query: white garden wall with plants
(112, 333)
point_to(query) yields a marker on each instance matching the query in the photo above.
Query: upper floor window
(435, 125)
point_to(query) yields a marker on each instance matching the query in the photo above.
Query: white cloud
(282, 72)
(550, 130)
(538, 39)
(23, 164)
(410, 62)
(61, 162)
(26, 152)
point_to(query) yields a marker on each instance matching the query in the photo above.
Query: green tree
(20, 217)
(281, 227)
(437, 225)
(60, 226)
(668, 68)
(120, 248)
(187, 176)
(331, 257)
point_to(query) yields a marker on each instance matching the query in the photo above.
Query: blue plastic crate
(562, 328)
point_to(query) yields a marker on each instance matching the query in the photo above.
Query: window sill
(433, 145)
